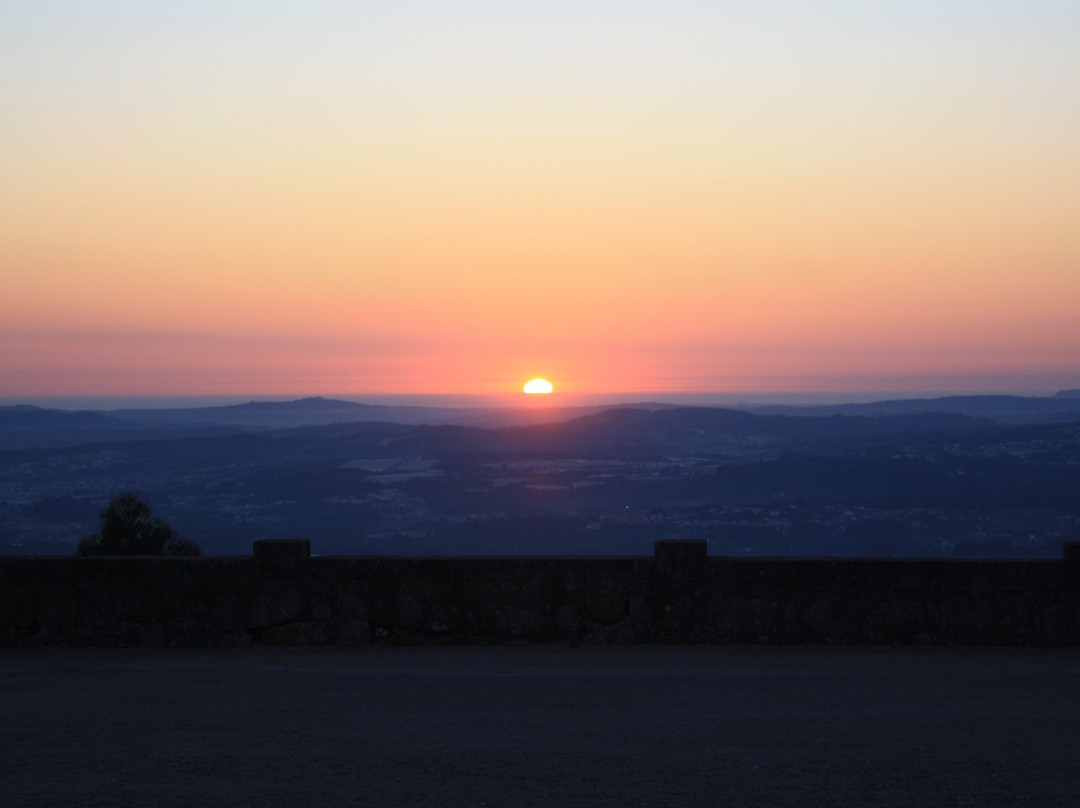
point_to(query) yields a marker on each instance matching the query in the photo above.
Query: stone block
(568, 619)
(617, 634)
(513, 622)
(354, 632)
(289, 634)
(410, 613)
(276, 606)
(605, 606)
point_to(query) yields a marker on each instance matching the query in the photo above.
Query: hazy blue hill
(683, 429)
(267, 414)
(317, 411)
(1067, 394)
(1006, 409)
(724, 430)
(685, 423)
(639, 433)
(624, 432)
(23, 427)
(283, 447)
(25, 416)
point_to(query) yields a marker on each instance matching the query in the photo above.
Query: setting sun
(538, 386)
(437, 208)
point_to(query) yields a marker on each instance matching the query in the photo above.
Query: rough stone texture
(680, 596)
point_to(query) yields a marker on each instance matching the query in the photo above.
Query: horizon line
(108, 402)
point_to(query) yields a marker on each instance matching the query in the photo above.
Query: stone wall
(281, 595)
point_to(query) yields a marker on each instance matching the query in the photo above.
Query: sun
(538, 387)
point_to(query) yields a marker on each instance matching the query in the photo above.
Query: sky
(202, 198)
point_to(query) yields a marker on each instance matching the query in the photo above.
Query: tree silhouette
(127, 526)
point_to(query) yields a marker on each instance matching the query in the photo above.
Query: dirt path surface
(537, 726)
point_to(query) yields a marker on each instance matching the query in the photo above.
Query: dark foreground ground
(755, 726)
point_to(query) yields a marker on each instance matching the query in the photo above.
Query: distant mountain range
(318, 411)
(648, 426)
(908, 477)
(23, 426)
(1060, 408)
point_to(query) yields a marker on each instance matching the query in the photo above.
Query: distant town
(976, 476)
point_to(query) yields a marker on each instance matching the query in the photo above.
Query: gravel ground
(538, 725)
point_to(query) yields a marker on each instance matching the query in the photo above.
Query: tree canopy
(127, 526)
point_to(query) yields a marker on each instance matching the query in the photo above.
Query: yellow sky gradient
(455, 197)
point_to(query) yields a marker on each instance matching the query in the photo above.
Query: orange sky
(455, 197)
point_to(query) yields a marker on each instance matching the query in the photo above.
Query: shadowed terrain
(960, 477)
